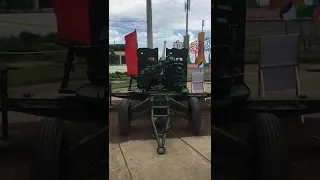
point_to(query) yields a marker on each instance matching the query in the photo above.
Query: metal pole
(187, 9)
(202, 25)
(187, 39)
(203, 47)
(149, 24)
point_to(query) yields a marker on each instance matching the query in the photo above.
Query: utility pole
(202, 25)
(187, 9)
(163, 57)
(149, 24)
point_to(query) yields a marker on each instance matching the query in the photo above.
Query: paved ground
(186, 158)
(135, 156)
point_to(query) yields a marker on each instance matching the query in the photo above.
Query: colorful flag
(288, 11)
(316, 15)
(276, 3)
(130, 48)
(200, 65)
(316, 2)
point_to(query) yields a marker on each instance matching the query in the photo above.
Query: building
(121, 60)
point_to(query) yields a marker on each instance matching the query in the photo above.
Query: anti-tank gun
(169, 74)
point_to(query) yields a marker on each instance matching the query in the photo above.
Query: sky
(168, 21)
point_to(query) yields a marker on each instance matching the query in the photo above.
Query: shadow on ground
(142, 127)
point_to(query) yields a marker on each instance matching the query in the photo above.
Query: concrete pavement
(187, 158)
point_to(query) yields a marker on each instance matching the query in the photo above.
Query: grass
(54, 72)
(124, 84)
(42, 74)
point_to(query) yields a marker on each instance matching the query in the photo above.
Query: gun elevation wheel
(51, 151)
(124, 120)
(194, 121)
(269, 152)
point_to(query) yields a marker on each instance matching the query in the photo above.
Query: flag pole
(135, 30)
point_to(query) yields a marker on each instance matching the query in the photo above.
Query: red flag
(73, 22)
(131, 47)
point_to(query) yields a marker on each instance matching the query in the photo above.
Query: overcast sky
(169, 20)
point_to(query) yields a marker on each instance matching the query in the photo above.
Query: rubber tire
(195, 116)
(124, 118)
(269, 158)
(49, 160)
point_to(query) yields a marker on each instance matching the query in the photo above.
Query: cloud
(169, 20)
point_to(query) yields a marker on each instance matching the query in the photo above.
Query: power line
(125, 27)
(128, 31)
(126, 21)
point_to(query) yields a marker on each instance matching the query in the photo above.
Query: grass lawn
(124, 84)
(43, 74)
(54, 72)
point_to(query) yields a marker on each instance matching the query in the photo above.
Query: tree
(116, 47)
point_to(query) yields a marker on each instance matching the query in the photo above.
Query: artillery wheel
(51, 151)
(269, 152)
(124, 120)
(161, 150)
(194, 121)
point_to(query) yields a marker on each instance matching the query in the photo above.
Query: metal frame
(154, 101)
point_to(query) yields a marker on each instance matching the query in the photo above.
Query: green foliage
(29, 42)
(116, 47)
(118, 74)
